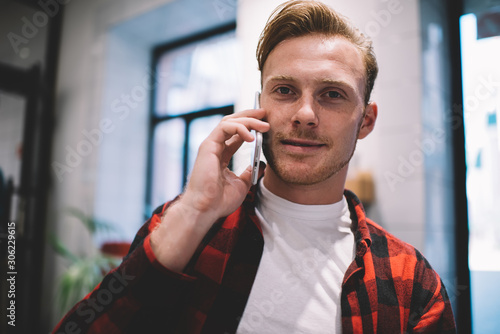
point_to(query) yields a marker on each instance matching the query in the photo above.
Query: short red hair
(297, 18)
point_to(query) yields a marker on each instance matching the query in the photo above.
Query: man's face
(313, 90)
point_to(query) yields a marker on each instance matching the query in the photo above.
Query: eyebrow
(324, 80)
(281, 78)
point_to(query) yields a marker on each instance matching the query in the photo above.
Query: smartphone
(256, 146)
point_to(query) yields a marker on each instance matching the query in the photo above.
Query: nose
(305, 114)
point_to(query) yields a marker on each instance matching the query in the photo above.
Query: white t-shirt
(307, 249)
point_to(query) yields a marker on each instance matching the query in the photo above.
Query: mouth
(302, 145)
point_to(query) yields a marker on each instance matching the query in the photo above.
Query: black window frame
(188, 117)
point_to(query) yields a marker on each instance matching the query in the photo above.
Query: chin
(296, 171)
(305, 175)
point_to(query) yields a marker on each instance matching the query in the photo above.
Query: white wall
(391, 152)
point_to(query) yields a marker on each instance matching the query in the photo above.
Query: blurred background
(103, 104)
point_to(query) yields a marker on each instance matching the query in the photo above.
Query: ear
(369, 119)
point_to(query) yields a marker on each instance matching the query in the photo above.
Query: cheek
(345, 134)
(276, 121)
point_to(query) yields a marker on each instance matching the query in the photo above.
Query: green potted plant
(84, 272)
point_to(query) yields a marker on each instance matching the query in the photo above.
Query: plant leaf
(62, 250)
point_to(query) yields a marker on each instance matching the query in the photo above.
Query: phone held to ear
(256, 146)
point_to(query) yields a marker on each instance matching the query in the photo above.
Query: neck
(328, 191)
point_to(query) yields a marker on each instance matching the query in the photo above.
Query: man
(296, 253)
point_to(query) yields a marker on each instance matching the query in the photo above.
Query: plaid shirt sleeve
(128, 298)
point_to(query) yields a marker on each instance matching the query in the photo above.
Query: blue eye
(283, 90)
(333, 94)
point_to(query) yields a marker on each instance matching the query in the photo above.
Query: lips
(302, 143)
(302, 146)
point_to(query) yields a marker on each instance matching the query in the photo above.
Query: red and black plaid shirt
(388, 288)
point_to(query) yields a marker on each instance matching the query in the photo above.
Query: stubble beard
(311, 177)
(315, 175)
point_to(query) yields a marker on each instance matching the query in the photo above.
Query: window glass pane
(167, 161)
(198, 76)
(200, 128)
(481, 75)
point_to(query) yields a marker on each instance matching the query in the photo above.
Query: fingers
(232, 145)
(251, 118)
(254, 113)
(230, 134)
(240, 124)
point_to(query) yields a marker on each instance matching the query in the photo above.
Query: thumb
(246, 176)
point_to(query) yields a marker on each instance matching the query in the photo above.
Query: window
(480, 38)
(196, 85)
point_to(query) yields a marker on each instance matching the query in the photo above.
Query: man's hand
(213, 191)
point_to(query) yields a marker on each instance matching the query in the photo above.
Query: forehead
(316, 57)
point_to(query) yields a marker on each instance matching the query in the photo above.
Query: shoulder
(402, 257)
(405, 277)
(386, 242)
